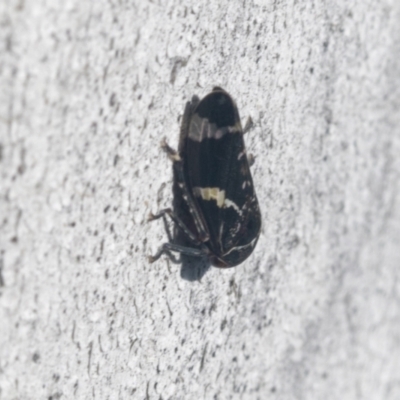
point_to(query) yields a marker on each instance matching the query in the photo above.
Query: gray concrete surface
(87, 90)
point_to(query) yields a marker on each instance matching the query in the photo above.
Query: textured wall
(87, 90)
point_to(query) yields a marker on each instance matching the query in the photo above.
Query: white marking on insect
(210, 194)
(238, 248)
(246, 183)
(200, 128)
(214, 193)
(230, 203)
(221, 232)
(241, 154)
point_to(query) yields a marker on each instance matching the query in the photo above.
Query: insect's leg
(166, 248)
(152, 217)
(248, 125)
(251, 160)
(163, 250)
(172, 154)
(177, 220)
(195, 101)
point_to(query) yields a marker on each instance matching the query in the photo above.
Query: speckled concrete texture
(87, 91)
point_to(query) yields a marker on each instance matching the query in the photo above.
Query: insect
(216, 208)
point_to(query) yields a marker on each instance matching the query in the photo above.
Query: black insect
(215, 205)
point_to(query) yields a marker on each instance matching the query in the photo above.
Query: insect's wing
(218, 175)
